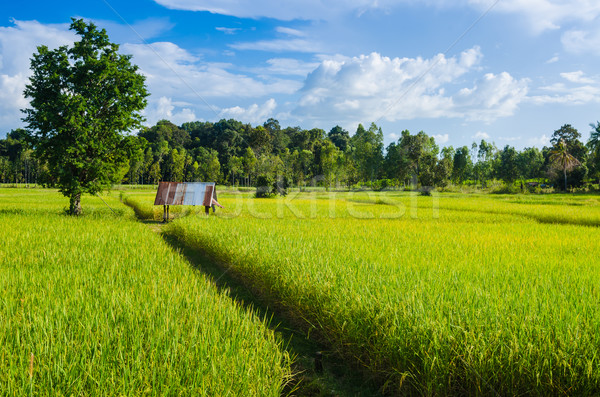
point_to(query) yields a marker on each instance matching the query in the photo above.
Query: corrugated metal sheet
(185, 193)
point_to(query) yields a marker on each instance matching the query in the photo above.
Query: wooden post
(164, 213)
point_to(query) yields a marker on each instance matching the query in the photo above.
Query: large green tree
(368, 151)
(508, 168)
(83, 100)
(462, 166)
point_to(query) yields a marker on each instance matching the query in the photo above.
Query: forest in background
(233, 153)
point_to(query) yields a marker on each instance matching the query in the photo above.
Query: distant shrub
(281, 186)
(505, 189)
(263, 186)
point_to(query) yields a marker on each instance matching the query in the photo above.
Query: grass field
(100, 305)
(451, 294)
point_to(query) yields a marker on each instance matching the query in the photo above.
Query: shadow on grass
(337, 377)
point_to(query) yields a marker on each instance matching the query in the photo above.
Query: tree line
(234, 153)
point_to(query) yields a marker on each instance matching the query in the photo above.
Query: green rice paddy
(100, 305)
(430, 295)
(444, 295)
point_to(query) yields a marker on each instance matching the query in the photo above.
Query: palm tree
(561, 156)
(593, 145)
(594, 142)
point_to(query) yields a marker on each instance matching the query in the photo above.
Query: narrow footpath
(317, 371)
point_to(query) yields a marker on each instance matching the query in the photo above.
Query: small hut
(186, 193)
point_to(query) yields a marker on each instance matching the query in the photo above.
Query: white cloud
(279, 45)
(492, 97)
(537, 15)
(136, 32)
(18, 43)
(582, 41)
(568, 96)
(164, 108)
(290, 31)
(441, 138)
(227, 30)
(576, 77)
(178, 80)
(509, 138)
(540, 141)
(577, 90)
(541, 14)
(554, 59)
(373, 86)
(254, 114)
(289, 66)
(173, 72)
(546, 14)
(481, 135)
(282, 10)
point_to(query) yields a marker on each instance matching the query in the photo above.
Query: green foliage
(83, 99)
(462, 165)
(508, 169)
(368, 151)
(483, 170)
(530, 163)
(562, 159)
(281, 186)
(264, 185)
(339, 137)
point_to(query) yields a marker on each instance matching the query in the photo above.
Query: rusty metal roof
(185, 193)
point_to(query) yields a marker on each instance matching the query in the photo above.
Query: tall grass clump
(100, 305)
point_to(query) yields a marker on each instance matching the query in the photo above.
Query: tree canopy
(83, 99)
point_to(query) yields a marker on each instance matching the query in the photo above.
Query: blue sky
(508, 71)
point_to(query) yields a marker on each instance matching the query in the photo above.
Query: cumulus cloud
(180, 82)
(441, 138)
(254, 114)
(164, 108)
(373, 86)
(581, 41)
(539, 141)
(493, 96)
(576, 77)
(18, 43)
(172, 71)
(481, 135)
(509, 138)
(578, 89)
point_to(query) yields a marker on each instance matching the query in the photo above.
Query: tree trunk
(565, 171)
(75, 204)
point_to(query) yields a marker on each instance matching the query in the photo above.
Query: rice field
(450, 294)
(101, 305)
